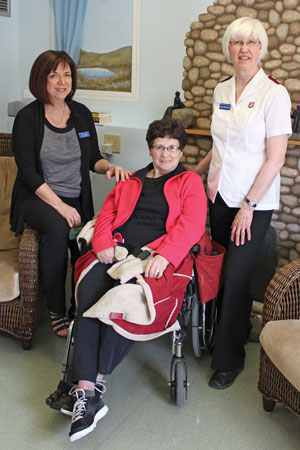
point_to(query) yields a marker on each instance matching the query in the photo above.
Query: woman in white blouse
(250, 128)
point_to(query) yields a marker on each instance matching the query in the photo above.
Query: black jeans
(98, 348)
(235, 297)
(53, 249)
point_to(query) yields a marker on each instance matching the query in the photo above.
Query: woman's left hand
(117, 171)
(241, 225)
(106, 256)
(156, 267)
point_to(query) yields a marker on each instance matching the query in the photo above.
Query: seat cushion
(9, 280)
(8, 172)
(280, 340)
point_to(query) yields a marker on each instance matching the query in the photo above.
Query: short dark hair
(44, 64)
(166, 128)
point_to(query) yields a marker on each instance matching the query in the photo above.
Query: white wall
(23, 36)
(134, 154)
(34, 34)
(10, 87)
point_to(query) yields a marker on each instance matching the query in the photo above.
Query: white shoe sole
(100, 414)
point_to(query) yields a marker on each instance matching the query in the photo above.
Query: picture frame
(119, 95)
(93, 94)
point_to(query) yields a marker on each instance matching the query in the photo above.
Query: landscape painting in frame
(108, 64)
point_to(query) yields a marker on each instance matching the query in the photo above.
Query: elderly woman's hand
(156, 267)
(117, 171)
(241, 226)
(106, 256)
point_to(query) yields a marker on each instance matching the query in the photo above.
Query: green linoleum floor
(141, 415)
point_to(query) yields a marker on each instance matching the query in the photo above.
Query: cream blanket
(130, 302)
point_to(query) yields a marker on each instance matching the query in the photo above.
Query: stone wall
(205, 65)
(287, 219)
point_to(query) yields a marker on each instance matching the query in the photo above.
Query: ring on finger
(157, 271)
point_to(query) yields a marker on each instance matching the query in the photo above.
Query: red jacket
(185, 223)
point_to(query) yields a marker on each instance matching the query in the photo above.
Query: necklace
(57, 124)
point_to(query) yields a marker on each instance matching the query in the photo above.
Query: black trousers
(235, 298)
(98, 348)
(53, 248)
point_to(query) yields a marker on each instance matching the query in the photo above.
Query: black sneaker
(87, 412)
(68, 405)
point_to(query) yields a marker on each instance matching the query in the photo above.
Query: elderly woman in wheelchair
(155, 218)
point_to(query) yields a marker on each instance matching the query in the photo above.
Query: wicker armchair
(282, 302)
(18, 317)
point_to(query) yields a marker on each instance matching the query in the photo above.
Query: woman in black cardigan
(55, 146)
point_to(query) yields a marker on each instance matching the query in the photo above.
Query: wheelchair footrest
(57, 398)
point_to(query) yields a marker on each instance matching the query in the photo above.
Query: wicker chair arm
(5, 144)
(28, 272)
(282, 297)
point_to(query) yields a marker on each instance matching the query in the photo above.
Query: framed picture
(108, 67)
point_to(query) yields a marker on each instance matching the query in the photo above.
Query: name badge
(225, 106)
(84, 134)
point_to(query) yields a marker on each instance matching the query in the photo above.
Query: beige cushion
(281, 342)
(8, 172)
(9, 280)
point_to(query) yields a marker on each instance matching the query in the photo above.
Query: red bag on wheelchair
(209, 263)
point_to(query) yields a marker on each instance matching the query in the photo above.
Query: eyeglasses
(249, 44)
(170, 148)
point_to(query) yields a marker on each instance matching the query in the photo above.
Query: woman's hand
(117, 171)
(110, 170)
(276, 150)
(70, 214)
(241, 226)
(106, 256)
(156, 267)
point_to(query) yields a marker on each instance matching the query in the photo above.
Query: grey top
(61, 160)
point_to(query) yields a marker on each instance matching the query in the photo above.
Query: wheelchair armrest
(81, 242)
(85, 236)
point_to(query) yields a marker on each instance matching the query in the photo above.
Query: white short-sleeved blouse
(239, 132)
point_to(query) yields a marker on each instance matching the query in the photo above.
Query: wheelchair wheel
(203, 326)
(210, 323)
(179, 383)
(178, 380)
(196, 341)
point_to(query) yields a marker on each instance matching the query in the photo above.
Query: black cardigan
(27, 138)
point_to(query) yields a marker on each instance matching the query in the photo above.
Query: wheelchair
(200, 316)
